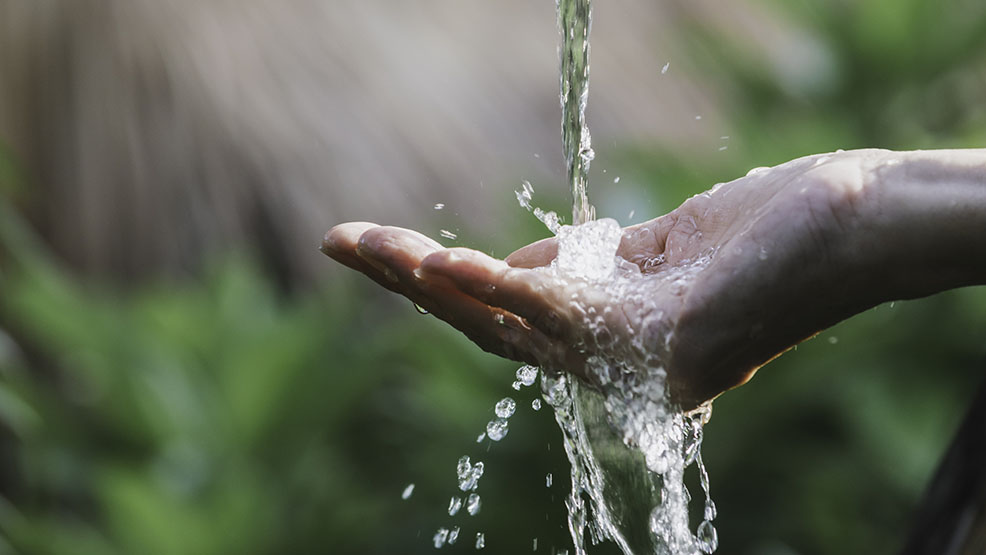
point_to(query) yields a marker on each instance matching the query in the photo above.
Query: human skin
(792, 250)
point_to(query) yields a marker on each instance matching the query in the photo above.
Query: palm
(711, 324)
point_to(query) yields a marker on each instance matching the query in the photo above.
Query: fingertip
(343, 238)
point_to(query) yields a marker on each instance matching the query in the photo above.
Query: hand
(786, 251)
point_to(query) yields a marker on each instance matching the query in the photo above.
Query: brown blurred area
(155, 133)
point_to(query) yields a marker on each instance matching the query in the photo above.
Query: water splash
(627, 445)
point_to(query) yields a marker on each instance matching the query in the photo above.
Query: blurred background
(182, 372)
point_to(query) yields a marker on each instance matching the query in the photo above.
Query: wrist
(926, 211)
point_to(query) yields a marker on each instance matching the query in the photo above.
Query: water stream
(627, 445)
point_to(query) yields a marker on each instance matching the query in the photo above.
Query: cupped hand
(720, 285)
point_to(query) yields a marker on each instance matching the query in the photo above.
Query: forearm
(928, 211)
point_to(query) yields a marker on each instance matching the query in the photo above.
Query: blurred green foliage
(223, 416)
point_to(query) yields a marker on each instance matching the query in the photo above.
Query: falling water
(627, 445)
(575, 22)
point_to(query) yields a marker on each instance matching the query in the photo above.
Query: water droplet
(453, 535)
(447, 234)
(536, 404)
(763, 253)
(527, 374)
(756, 170)
(469, 474)
(454, 505)
(516, 385)
(698, 117)
(497, 429)
(892, 303)
(708, 537)
(665, 68)
(630, 215)
(505, 407)
(439, 205)
(548, 480)
(473, 504)
(525, 194)
(535, 545)
(481, 437)
(406, 494)
(440, 537)
(724, 138)
(616, 179)
(480, 540)
(722, 148)
(419, 308)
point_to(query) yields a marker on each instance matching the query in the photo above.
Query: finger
(395, 251)
(535, 255)
(340, 243)
(508, 335)
(530, 294)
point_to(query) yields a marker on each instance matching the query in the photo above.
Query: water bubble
(536, 404)
(616, 179)
(722, 148)
(527, 374)
(440, 537)
(763, 253)
(439, 205)
(447, 234)
(698, 117)
(724, 138)
(665, 68)
(833, 340)
(454, 505)
(480, 540)
(535, 545)
(516, 385)
(548, 480)
(505, 407)
(473, 504)
(406, 494)
(497, 429)
(453, 535)
(630, 215)
(481, 437)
